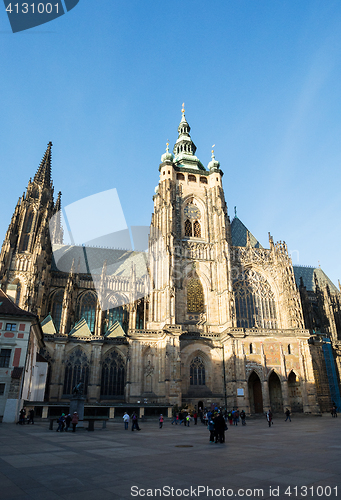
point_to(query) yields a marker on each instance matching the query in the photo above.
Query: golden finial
(183, 108)
(213, 150)
(167, 144)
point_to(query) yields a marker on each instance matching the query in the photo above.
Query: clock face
(192, 212)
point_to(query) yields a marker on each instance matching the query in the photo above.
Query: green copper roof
(115, 330)
(239, 235)
(47, 325)
(81, 329)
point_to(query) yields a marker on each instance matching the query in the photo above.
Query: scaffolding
(331, 372)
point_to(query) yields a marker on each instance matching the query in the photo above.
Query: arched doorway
(295, 394)
(200, 406)
(255, 393)
(275, 391)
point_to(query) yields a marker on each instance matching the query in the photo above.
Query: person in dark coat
(219, 427)
(68, 420)
(135, 422)
(61, 423)
(31, 417)
(22, 416)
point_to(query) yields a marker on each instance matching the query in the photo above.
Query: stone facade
(217, 319)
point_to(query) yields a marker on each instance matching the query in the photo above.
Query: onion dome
(167, 156)
(214, 165)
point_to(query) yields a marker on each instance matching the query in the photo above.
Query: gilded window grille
(188, 228)
(195, 296)
(197, 229)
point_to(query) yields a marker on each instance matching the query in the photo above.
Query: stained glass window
(119, 314)
(76, 371)
(195, 296)
(56, 309)
(197, 371)
(140, 315)
(255, 301)
(112, 383)
(87, 310)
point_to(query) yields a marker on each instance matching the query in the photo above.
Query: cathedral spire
(184, 148)
(184, 143)
(43, 175)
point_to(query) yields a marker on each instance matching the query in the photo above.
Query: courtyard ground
(255, 462)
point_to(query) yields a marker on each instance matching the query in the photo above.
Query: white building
(22, 371)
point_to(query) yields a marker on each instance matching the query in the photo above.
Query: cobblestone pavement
(255, 462)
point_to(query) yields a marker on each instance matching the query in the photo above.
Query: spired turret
(26, 252)
(184, 148)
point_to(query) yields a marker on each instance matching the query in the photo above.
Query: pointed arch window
(120, 314)
(76, 371)
(25, 237)
(17, 297)
(140, 315)
(56, 308)
(196, 229)
(255, 301)
(197, 372)
(195, 296)
(113, 370)
(87, 309)
(188, 228)
(192, 216)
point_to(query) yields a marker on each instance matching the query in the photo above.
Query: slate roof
(238, 235)
(8, 308)
(307, 274)
(91, 259)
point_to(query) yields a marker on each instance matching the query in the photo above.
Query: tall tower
(190, 242)
(25, 258)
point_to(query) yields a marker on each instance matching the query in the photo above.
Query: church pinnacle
(43, 175)
(184, 148)
(184, 143)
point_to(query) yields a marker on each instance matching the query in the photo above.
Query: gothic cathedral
(216, 319)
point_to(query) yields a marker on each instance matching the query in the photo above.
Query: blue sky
(259, 78)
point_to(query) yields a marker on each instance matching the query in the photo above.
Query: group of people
(134, 421)
(217, 427)
(64, 422)
(23, 417)
(184, 418)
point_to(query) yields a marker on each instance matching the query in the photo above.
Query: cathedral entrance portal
(275, 390)
(295, 395)
(200, 406)
(255, 394)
